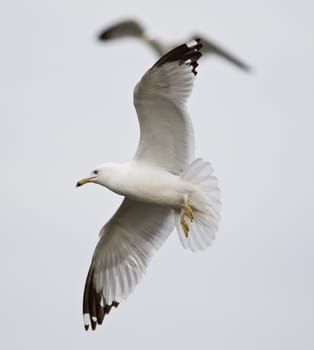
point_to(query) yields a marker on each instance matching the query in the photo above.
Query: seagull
(164, 186)
(132, 28)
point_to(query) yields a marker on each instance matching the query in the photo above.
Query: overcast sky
(66, 106)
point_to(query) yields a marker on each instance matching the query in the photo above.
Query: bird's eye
(95, 172)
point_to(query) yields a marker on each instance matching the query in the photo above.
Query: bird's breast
(149, 184)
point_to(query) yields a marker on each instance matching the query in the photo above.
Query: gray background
(66, 105)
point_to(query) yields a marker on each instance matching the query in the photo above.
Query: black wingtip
(187, 53)
(95, 306)
(104, 35)
(124, 28)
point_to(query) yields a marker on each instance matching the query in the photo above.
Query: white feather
(167, 137)
(126, 245)
(206, 207)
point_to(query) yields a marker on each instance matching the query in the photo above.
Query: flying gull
(164, 186)
(132, 28)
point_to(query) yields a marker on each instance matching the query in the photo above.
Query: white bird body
(164, 186)
(145, 183)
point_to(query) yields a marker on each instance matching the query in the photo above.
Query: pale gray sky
(67, 105)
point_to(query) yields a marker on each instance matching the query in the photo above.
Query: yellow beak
(83, 181)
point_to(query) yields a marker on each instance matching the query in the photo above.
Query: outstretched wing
(166, 132)
(210, 47)
(122, 254)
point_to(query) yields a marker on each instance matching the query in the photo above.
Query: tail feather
(205, 203)
(196, 170)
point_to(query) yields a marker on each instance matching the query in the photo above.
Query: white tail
(205, 203)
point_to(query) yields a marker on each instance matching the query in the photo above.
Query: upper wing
(127, 28)
(210, 47)
(166, 132)
(122, 254)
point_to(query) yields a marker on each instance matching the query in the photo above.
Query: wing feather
(122, 254)
(166, 132)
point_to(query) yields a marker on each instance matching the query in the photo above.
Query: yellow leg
(184, 225)
(188, 210)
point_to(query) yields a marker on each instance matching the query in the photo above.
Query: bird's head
(96, 176)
